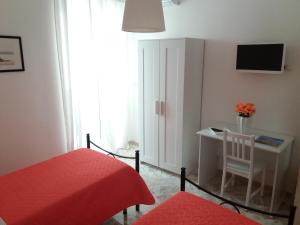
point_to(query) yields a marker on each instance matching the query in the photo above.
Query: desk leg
(208, 163)
(274, 183)
(199, 160)
(281, 167)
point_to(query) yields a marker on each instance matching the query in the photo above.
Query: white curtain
(99, 72)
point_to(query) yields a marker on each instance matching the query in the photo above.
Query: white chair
(239, 160)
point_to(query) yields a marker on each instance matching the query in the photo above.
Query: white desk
(277, 158)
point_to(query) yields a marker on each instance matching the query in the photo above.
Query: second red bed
(78, 188)
(187, 209)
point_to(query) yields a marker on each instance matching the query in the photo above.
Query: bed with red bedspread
(187, 209)
(78, 188)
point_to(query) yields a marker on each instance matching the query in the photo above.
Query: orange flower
(245, 109)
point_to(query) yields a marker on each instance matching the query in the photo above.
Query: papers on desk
(215, 131)
(266, 140)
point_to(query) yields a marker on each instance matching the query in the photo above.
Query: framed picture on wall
(11, 54)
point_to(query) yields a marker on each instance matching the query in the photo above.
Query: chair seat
(244, 169)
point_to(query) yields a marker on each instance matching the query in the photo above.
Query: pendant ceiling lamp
(143, 16)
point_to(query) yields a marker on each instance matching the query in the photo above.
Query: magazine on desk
(216, 131)
(267, 140)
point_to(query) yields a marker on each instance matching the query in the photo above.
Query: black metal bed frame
(136, 158)
(235, 205)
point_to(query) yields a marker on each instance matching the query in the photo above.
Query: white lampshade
(143, 16)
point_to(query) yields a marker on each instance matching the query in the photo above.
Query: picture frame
(11, 54)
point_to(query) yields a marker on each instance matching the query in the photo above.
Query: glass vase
(242, 124)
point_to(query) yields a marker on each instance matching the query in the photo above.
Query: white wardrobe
(170, 90)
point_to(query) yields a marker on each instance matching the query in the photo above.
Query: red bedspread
(83, 187)
(187, 209)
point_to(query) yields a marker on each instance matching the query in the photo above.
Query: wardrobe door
(149, 100)
(172, 54)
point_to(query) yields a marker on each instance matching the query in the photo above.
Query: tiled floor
(163, 184)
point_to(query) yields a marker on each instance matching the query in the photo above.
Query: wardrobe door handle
(157, 108)
(162, 108)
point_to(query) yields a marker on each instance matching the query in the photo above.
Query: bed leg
(124, 211)
(137, 168)
(292, 215)
(137, 208)
(137, 161)
(88, 141)
(182, 179)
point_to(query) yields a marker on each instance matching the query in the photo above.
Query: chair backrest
(242, 148)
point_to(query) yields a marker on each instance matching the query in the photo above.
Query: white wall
(223, 24)
(30, 116)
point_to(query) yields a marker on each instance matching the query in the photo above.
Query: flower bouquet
(245, 109)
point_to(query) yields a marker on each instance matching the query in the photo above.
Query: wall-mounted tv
(261, 58)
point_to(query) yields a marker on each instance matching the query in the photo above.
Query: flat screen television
(261, 58)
